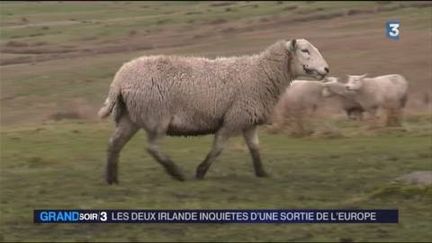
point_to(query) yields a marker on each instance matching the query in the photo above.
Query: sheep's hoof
(262, 174)
(111, 180)
(179, 177)
(175, 173)
(200, 172)
(111, 174)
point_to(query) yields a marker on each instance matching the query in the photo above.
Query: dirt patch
(289, 8)
(360, 11)
(38, 50)
(309, 11)
(220, 4)
(59, 53)
(60, 115)
(16, 60)
(193, 13)
(132, 43)
(218, 21)
(16, 44)
(8, 98)
(75, 109)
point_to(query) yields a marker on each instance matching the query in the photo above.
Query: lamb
(335, 89)
(300, 100)
(388, 92)
(174, 95)
(303, 97)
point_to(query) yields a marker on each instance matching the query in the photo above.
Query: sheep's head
(355, 82)
(307, 60)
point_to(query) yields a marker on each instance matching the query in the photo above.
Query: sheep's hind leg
(218, 144)
(154, 150)
(251, 137)
(124, 131)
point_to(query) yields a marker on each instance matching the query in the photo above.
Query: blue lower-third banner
(218, 216)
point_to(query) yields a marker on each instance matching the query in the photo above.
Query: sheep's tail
(109, 104)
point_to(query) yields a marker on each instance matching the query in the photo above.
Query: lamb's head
(333, 87)
(306, 59)
(355, 82)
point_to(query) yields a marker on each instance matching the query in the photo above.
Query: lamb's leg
(348, 113)
(218, 145)
(373, 116)
(359, 115)
(124, 131)
(251, 138)
(393, 117)
(154, 150)
(398, 117)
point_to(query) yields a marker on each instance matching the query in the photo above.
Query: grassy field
(60, 165)
(57, 60)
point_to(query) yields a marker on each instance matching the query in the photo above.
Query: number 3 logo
(103, 216)
(392, 29)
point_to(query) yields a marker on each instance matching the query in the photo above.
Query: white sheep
(176, 95)
(388, 92)
(332, 88)
(299, 101)
(302, 98)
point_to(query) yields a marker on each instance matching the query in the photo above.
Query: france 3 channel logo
(392, 28)
(70, 216)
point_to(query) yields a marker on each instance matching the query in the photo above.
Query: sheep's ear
(292, 45)
(364, 75)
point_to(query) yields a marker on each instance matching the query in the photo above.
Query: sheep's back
(304, 92)
(387, 88)
(194, 92)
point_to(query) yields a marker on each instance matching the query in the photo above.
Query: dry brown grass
(75, 109)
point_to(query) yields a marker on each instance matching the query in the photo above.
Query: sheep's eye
(305, 51)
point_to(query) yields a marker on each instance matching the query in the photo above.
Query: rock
(423, 178)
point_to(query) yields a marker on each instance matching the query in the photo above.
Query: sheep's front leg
(251, 137)
(218, 145)
(124, 131)
(154, 150)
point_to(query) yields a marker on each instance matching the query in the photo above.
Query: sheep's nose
(326, 69)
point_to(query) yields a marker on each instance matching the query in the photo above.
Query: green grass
(359, 171)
